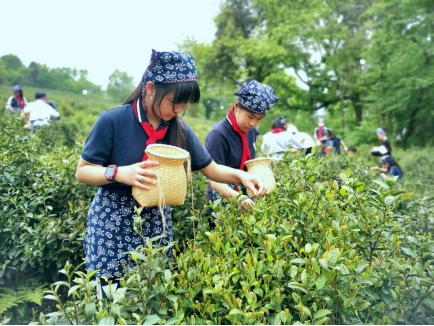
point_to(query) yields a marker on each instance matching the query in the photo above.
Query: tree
(401, 70)
(120, 85)
(12, 62)
(3, 76)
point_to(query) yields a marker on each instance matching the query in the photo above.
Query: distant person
(17, 101)
(300, 140)
(385, 148)
(54, 107)
(389, 167)
(39, 113)
(331, 143)
(277, 141)
(319, 134)
(352, 150)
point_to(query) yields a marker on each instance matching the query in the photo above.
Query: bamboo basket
(261, 167)
(171, 187)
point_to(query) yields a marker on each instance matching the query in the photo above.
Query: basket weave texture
(261, 167)
(171, 186)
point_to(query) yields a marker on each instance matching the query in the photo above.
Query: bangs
(186, 92)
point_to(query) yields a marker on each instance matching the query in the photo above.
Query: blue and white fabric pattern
(257, 97)
(110, 232)
(170, 67)
(216, 195)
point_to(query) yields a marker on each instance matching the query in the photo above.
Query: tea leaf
(321, 313)
(107, 321)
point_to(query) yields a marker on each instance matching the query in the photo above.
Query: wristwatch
(110, 173)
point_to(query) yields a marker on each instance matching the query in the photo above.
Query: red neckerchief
(246, 152)
(320, 132)
(153, 134)
(277, 130)
(20, 102)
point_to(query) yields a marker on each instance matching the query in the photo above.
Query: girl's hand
(374, 168)
(253, 183)
(247, 204)
(137, 174)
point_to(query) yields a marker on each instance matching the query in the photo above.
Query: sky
(102, 36)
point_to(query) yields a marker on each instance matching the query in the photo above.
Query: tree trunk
(358, 108)
(412, 119)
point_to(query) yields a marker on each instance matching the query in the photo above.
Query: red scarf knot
(153, 134)
(320, 132)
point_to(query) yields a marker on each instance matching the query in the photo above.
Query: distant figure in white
(299, 140)
(277, 141)
(39, 113)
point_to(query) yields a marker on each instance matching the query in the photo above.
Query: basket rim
(258, 159)
(149, 149)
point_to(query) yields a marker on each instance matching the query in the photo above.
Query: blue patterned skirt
(109, 232)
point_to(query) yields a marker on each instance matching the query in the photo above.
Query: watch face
(109, 172)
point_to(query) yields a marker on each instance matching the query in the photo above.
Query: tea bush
(43, 207)
(327, 247)
(315, 252)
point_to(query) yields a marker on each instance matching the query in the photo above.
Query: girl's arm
(376, 168)
(133, 175)
(224, 174)
(224, 189)
(9, 104)
(345, 146)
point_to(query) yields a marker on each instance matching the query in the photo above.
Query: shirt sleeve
(98, 146)
(27, 108)
(53, 112)
(9, 103)
(200, 158)
(217, 146)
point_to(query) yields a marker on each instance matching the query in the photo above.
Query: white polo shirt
(40, 112)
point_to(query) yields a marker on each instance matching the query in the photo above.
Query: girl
(389, 167)
(17, 101)
(331, 142)
(231, 142)
(113, 159)
(385, 147)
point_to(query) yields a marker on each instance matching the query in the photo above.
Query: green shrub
(316, 251)
(43, 207)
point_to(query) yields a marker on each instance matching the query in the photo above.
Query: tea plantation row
(330, 246)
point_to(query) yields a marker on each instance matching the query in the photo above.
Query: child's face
(167, 110)
(247, 120)
(385, 165)
(380, 136)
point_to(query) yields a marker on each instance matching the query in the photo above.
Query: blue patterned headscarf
(257, 97)
(170, 67)
(16, 88)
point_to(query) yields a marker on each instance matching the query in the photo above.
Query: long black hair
(185, 92)
(389, 159)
